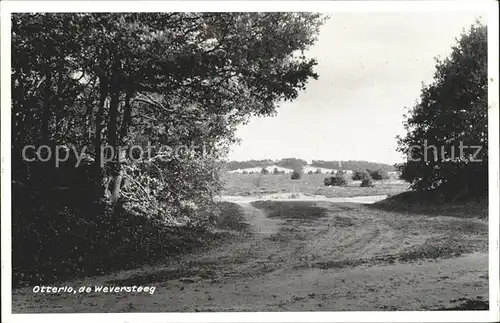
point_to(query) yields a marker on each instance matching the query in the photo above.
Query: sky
(371, 66)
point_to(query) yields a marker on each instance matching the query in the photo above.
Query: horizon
(309, 162)
(369, 71)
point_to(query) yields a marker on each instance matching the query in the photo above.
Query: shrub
(310, 172)
(296, 175)
(367, 182)
(264, 171)
(337, 180)
(318, 171)
(244, 172)
(360, 175)
(276, 171)
(379, 174)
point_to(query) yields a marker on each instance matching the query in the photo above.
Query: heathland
(208, 240)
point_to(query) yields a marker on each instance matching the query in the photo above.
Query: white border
(317, 6)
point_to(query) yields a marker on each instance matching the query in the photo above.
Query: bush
(360, 175)
(276, 171)
(264, 171)
(452, 109)
(318, 171)
(367, 182)
(296, 175)
(310, 172)
(245, 172)
(379, 175)
(337, 180)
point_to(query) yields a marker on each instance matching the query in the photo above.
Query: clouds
(371, 66)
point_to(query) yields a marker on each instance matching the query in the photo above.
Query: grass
(309, 184)
(445, 237)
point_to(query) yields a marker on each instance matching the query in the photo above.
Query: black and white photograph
(289, 161)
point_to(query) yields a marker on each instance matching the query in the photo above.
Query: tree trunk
(98, 123)
(113, 132)
(112, 139)
(44, 131)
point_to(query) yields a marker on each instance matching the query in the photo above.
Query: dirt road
(303, 256)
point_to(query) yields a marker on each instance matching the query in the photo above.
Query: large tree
(446, 142)
(152, 78)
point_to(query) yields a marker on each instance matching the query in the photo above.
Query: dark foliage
(178, 80)
(378, 174)
(351, 165)
(296, 175)
(450, 115)
(234, 165)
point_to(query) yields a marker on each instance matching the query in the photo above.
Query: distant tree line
(352, 165)
(234, 165)
(298, 164)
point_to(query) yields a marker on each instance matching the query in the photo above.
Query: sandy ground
(349, 258)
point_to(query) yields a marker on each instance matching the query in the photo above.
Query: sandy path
(341, 261)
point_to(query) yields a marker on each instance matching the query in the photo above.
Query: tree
(167, 78)
(264, 171)
(175, 80)
(276, 171)
(318, 171)
(378, 174)
(296, 175)
(450, 115)
(367, 182)
(337, 180)
(360, 175)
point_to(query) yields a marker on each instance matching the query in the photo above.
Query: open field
(309, 184)
(304, 256)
